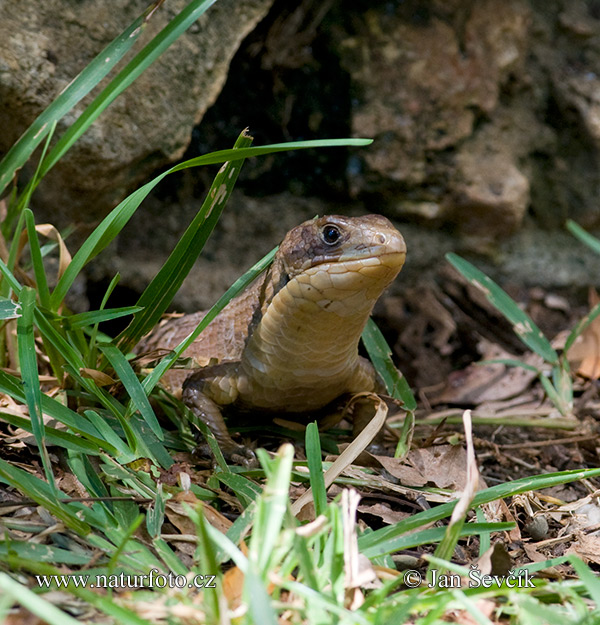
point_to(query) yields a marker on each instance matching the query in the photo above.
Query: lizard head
(360, 243)
(343, 259)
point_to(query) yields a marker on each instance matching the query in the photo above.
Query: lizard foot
(235, 454)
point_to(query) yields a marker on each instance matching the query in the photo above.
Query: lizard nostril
(381, 239)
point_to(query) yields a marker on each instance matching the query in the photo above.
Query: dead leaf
(584, 355)
(64, 257)
(495, 561)
(99, 377)
(177, 515)
(480, 383)
(443, 466)
(233, 587)
(587, 548)
(384, 512)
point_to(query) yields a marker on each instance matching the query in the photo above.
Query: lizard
(289, 342)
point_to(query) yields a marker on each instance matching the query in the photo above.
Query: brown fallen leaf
(586, 547)
(178, 516)
(480, 383)
(443, 466)
(584, 355)
(384, 512)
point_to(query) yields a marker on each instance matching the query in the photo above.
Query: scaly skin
(289, 343)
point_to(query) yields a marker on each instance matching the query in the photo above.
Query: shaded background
(485, 116)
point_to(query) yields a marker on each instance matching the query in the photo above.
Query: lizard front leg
(204, 393)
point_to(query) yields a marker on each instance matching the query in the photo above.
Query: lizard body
(289, 342)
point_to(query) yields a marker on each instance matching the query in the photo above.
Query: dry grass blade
(351, 453)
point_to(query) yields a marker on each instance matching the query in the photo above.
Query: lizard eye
(330, 234)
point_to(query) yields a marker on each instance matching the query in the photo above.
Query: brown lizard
(289, 342)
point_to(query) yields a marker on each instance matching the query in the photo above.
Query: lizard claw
(238, 455)
(243, 456)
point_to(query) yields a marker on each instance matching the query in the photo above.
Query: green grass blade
(376, 542)
(315, 468)
(588, 577)
(9, 309)
(85, 319)
(92, 355)
(168, 35)
(435, 535)
(30, 376)
(406, 435)
(12, 386)
(244, 489)
(93, 73)
(271, 507)
(44, 610)
(160, 292)
(110, 441)
(36, 260)
(239, 285)
(381, 357)
(56, 437)
(585, 237)
(523, 325)
(42, 493)
(132, 385)
(44, 553)
(581, 327)
(116, 220)
(12, 282)
(553, 395)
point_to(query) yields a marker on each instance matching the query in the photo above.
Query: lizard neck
(303, 352)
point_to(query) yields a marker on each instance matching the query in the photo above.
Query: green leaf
(160, 292)
(85, 319)
(383, 540)
(132, 385)
(381, 357)
(584, 236)
(523, 325)
(115, 221)
(9, 309)
(315, 468)
(29, 375)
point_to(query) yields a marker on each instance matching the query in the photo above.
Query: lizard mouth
(369, 257)
(341, 278)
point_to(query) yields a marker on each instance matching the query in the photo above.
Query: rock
(438, 77)
(44, 45)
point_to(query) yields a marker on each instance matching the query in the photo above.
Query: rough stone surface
(443, 74)
(43, 45)
(485, 115)
(479, 110)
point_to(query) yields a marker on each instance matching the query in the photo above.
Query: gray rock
(43, 45)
